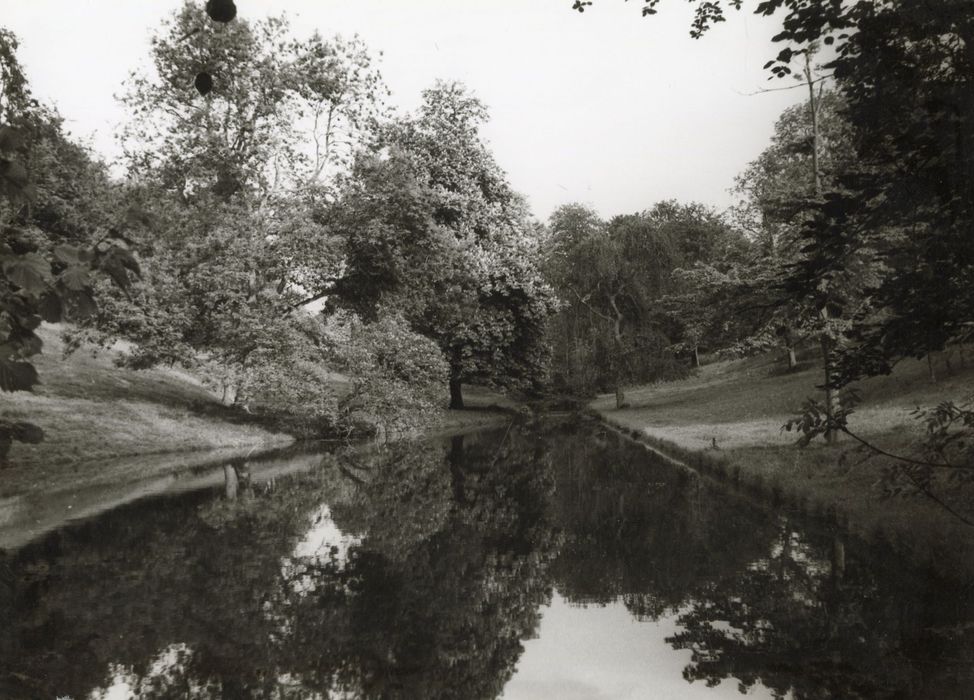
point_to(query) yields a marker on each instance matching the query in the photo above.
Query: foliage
(904, 72)
(617, 280)
(396, 375)
(432, 229)
(281, 113)
(237, 184)
(943, 458)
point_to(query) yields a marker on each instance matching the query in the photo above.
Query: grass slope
(742, 405)
(92, 412)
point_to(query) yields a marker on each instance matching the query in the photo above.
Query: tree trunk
(792, 360)
(831, 395)
(456, 393)
(932, 372)
(696, 357)
(620, 397)
(229, 397)
(837, 570)
(231, 481)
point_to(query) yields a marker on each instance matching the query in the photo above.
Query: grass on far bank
(742, 404)
(92, 411)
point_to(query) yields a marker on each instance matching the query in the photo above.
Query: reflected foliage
(442, 575)
(754, 598)
(417, 570)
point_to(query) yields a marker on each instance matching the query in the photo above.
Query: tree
(613, 279)
(235, 180)
(433, 230)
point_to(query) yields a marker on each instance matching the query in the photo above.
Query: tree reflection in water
(443, 573)
(756, 599)
(415, 570)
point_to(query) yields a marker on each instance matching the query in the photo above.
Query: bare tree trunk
(792, 360)
(831, 396)
(930, 370)
(696, 356)
(620, 351)
(230, 480)
(456, 393)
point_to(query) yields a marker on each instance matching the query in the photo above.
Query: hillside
(92, 412)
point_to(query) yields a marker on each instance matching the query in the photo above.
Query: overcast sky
(606, 108)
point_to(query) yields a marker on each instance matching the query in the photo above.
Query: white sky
(607, 107)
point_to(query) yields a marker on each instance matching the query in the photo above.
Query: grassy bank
(740, 406)
(93, 413)
(105, 425)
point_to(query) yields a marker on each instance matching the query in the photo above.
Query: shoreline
(925, 537)
(84, 490)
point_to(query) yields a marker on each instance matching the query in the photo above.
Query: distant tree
(613, 279)
(780, 194)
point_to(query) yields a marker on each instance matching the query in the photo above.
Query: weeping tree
(613, 279)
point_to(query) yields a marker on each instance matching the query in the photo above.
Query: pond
(546, 560)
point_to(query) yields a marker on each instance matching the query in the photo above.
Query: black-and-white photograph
(476, 349)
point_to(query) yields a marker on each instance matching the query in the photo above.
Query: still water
(553, 560)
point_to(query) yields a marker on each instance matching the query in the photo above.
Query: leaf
(117, 263)
(10, 138)
(19, 243)
(13, 172)
(69, 254)
(76, 278)
(17, 376)
(30, 272)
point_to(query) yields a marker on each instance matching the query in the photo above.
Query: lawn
(93, 412)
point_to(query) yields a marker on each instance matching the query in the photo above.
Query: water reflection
(424, 570)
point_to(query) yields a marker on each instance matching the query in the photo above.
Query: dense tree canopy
(617, 284)
(433, 228)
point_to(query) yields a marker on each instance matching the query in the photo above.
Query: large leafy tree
(238, 135)
(273, 112)
(433, 229)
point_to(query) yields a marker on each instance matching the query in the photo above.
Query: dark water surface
(547, 561)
